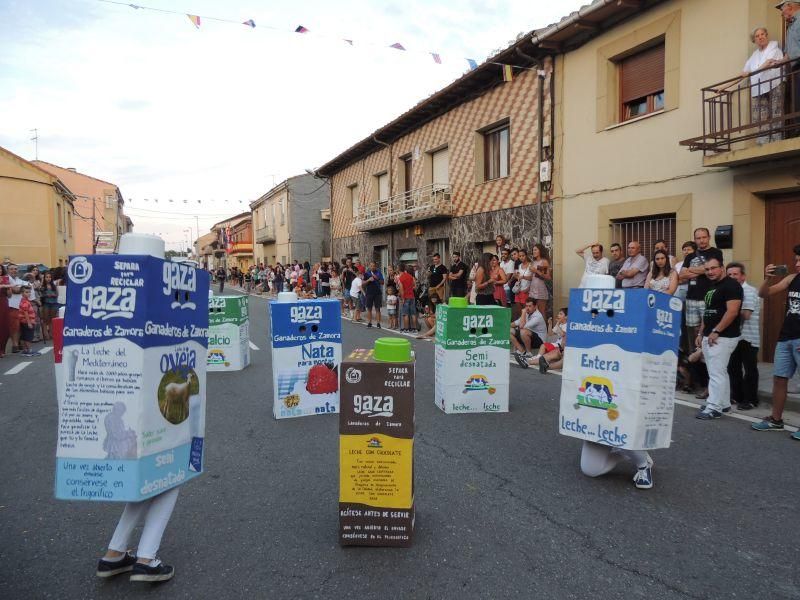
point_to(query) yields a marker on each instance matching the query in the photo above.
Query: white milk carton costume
(132, 382)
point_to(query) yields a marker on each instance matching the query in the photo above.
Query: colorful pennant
(195, 20)
(436, 58)
(508, 73)
(397, 46)
(301, 29)
(250, 23)
(472, 64)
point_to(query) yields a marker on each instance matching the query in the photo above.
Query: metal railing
(265, 234)
(420, 204)
(732, 115)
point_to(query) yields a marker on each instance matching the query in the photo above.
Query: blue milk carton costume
(306, 353)
(620, 366)
(133, 381)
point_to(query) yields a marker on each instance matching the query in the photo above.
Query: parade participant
(744, 390)
(458, 277)
(437, 277)
(787, 350)
(718, 336)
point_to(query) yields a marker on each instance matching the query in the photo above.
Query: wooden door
(782, 234)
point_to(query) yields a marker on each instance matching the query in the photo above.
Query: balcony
(240, 248)
(421, 204)
(264, 235)
(733, 135)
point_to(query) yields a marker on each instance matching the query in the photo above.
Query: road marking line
(17, 368)
(253, 346)
(45, 349)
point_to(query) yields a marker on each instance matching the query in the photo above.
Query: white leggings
(156, 512)
(598, 459)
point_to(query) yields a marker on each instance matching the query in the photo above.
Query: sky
(223, 112)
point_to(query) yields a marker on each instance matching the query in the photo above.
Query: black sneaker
(708, 415)
(378, 325)
(144, 572)
(521, 360)
(543, 365)
(109, 568)
(369, 324)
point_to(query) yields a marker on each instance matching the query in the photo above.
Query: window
(496, 151)
(283, 211)
(641, 83)
(109, 201)
(383, 188)
(60, 217)
(352, 192)
(645, 230)
(440, 163)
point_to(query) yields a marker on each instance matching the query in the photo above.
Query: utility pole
(94, 226)
(35, 140)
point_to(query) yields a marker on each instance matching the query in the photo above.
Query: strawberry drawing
(322, 379)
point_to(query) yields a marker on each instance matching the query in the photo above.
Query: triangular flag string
(437, 57)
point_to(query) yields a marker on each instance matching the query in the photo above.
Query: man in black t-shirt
(718, 335)
(787, 350)
(693, 273)
(458, 277)
(437, 276)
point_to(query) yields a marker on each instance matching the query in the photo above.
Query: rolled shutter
(642, 74)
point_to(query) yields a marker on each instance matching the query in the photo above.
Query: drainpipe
(539, 193)
(390, 245)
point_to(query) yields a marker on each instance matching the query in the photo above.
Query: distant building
(36, 213)
(226, 252)
(292, 222)
(99, 210)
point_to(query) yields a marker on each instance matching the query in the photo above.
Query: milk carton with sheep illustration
(131, 376)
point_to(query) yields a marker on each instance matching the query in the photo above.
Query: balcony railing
(733, 117)
(240, 248)
(265, 234)
(420, 204)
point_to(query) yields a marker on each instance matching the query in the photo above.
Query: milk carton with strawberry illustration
(306, 352)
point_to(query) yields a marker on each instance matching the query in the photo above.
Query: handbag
(516, 287)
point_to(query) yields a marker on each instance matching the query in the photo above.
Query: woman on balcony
(766, 87)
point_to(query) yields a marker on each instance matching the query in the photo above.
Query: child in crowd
(27, 321)
(391, 306)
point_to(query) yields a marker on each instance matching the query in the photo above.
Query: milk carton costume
(228, 333)
(306, 352)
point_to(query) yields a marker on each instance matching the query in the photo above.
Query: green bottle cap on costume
(458, 302)
(389, 349)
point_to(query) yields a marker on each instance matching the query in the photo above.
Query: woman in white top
(766, 87)
(662, 278)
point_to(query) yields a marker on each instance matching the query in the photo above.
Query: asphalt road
(502, 508)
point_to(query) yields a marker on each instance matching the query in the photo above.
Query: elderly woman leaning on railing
(766, 84)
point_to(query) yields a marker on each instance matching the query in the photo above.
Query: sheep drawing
(175, 404)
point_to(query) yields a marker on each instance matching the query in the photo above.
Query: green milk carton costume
(473, 354)
(228, 333)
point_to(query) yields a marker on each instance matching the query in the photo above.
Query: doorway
(782, 233)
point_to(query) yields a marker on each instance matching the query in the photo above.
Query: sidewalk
(765, 388)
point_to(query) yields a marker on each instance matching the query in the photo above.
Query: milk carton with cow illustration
(228, 333)
(306, 352)
(620, 365)
(131, 377)
(472, 357)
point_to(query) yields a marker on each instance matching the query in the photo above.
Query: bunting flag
(436, 58)
(349, 42)
(195, 20)
(301, 29)
(397, 46)
(508, 74)
(472, 64)
(250, 23)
